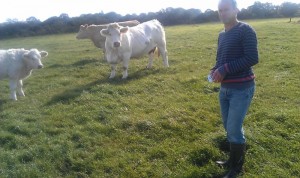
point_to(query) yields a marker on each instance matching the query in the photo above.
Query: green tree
(32, 20)
(288, 9)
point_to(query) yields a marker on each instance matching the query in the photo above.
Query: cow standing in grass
(123, 43)
(17, 64)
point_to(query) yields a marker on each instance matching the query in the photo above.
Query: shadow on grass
(70, 94)
(211, 89)
(82, 62)
(143, 73)
(203, 158)
(222, 143)
(2, 102)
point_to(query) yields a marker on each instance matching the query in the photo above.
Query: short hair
(233, 3)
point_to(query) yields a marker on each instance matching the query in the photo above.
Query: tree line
(170, 16)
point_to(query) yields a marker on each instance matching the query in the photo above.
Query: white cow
(92, 32)
(17, 64)
(123, 43)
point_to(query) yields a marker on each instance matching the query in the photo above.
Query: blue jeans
(234, 106)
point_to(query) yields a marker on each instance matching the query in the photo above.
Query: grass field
(162, 122)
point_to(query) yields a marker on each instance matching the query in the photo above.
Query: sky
(44, 9)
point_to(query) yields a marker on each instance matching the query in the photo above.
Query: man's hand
(217, 77)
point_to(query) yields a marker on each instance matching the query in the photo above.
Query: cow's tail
(155, 50)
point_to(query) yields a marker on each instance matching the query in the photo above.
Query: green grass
(162, 122)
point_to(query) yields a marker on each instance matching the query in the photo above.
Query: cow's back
(131, 23)
(144, 37)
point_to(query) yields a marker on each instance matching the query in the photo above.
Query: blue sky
(43, 9)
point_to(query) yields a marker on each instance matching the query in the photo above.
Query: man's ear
(44, 53)
(124, 29)
(104, 32)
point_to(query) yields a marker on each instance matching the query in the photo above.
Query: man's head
(228, 11)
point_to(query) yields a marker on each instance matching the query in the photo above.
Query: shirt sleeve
(215, 67)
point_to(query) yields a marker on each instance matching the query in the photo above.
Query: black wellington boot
(237, 158)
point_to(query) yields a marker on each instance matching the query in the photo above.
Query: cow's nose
(117, 44)
(40, 66)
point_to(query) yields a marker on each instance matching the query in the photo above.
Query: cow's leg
(125, 72)
(113, 71)
(104, 54)
(19, 88)
(125, 68)
(13, 87)
(151, 56)
(164, 54)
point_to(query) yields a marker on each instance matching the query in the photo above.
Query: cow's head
(113, 34)
(82, 33)
(32, 58)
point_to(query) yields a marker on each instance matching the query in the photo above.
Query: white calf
(123, 43)
(17, 64)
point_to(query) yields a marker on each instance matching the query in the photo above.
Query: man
(236, 54)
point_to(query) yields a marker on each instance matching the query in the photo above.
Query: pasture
(160, 122)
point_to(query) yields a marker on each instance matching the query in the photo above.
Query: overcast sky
(43, 9)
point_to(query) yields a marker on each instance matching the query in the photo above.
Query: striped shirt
(237, 53)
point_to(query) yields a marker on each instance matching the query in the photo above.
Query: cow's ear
(44, 53)
(124, 29)
(83, 26)
(26, 55)
(104, 32)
